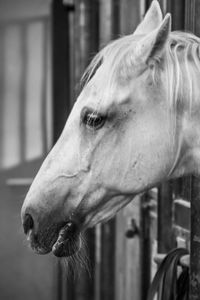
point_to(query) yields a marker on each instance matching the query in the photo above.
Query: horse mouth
(68, 241)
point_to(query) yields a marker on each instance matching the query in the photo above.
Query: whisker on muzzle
(78, 261)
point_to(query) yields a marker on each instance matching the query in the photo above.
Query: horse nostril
(28, 223)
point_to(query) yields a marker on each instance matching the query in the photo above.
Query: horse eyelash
(91, 115)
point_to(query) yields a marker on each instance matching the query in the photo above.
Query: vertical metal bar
(195, 241)
(108, 261)
(193, 20)
(165, 202)
(86, 42)
(72, 58)
(97, 263)
(86, 34)
(61, 75)
(86, 45)
(145, 240)
(109, 26)
(115, 18)
(190, 15)
(195, 4)
(86, 39)
(178, 10)
(165, 218)
(61, 101)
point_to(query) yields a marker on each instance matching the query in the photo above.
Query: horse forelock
(116, 58)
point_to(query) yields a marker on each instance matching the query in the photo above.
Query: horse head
(121, 138)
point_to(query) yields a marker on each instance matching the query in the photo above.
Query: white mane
(183, 57)
(182, 50)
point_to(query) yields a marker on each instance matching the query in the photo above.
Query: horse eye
(93, 120)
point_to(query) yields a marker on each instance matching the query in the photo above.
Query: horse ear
(150, 48)
(152, 19)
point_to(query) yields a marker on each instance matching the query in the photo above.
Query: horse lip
(65, 249)
(67, 242)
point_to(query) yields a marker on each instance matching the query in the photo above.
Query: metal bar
(182, 212)
(61, 106)
(177, 9)
(86, 42)
(192, 23)
(86, 34)
(195, 241)
(115, 18)
(61, 76)
(145, 243)
(165, 218)
(189, 15)
(108, 261)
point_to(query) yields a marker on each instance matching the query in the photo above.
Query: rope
(166, 283)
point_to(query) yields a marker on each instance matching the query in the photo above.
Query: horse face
(116, 143)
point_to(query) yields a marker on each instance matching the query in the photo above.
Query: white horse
(134, 125)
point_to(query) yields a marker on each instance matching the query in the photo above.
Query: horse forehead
(98, 96)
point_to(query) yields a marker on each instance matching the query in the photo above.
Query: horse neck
(188, 120)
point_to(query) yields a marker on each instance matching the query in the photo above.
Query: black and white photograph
(99, 149)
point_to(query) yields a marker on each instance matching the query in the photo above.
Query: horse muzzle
(62, 238)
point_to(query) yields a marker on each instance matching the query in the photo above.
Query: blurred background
(45, 46)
